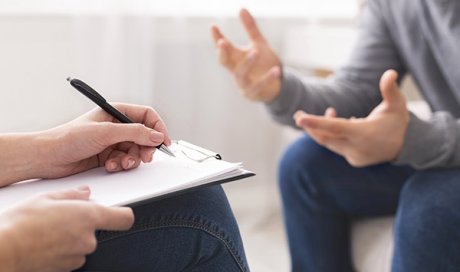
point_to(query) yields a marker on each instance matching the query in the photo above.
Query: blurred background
(160, 53)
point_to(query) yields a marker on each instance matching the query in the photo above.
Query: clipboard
(193, 168)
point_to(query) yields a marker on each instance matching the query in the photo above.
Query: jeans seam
(178, 224)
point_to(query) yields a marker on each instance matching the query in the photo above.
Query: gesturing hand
(256, 68)
(364, 141)
(54, 232)
(96, 139)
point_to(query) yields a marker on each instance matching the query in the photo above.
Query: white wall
(168, 63)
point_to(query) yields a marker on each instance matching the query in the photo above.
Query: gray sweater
(420, 37)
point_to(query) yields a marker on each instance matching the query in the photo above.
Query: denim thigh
(196, 231)
(427, 228)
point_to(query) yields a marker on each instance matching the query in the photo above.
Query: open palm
(255, 67)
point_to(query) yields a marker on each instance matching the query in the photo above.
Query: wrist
(21, 157)
(274, 89)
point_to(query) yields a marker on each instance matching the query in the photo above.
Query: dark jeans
(322, 194)
(191, 232)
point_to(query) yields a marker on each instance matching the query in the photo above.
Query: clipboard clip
(194, 152)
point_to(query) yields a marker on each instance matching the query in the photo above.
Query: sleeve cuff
(283, 100)
(428, 144)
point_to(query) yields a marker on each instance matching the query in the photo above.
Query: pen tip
(69, 79)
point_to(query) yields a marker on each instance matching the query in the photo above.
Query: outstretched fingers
(216, 34)
(225, 49)
(251, 27)
(341, 128)
(242, 70)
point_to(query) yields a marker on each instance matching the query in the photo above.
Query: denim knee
(206, 209)
(301, 165)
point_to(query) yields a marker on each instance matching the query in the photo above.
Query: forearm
(20, 157)
(347, 95)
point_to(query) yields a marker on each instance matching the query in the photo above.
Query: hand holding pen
(92, 94)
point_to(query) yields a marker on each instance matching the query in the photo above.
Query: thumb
(389, 89)
(80, 193)
(137, 133)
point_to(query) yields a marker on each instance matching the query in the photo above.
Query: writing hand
(96, 139)
(256, 67)
(54, 232)
(364, 141)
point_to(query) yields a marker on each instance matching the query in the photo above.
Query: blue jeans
(191, 232)
(322, 194)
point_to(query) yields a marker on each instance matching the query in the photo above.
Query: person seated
(363, 153)
(64, 231)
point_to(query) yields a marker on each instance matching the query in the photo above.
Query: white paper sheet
(164, 175)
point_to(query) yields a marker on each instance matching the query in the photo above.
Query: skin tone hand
(54, 232)
(92, 140)
(255, 67)
(366, 141)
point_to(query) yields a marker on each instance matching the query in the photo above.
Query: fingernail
(131, 163)
(296, 115)
(252, 55)
(113, 165)
(83, 188)
(276, 72)
(156, 136)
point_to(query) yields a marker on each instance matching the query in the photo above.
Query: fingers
(216, 34)
(251, 27)
(241, 71)
(328, 140)
(389, 88)
(336, 126)
(388, 80)
(146, 153)
(110, 218)
(147, 116)
(153, 120)
(331, 139)
(113, 133)
(126, 156)
(225, 49)
(80, 193)
(113, 162)
(229, 55)
(133, 159)
(330, 112)
(102, 217)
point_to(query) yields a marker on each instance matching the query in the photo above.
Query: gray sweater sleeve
(432, 143)
(354, 91)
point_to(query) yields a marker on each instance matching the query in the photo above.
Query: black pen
(89, 92)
